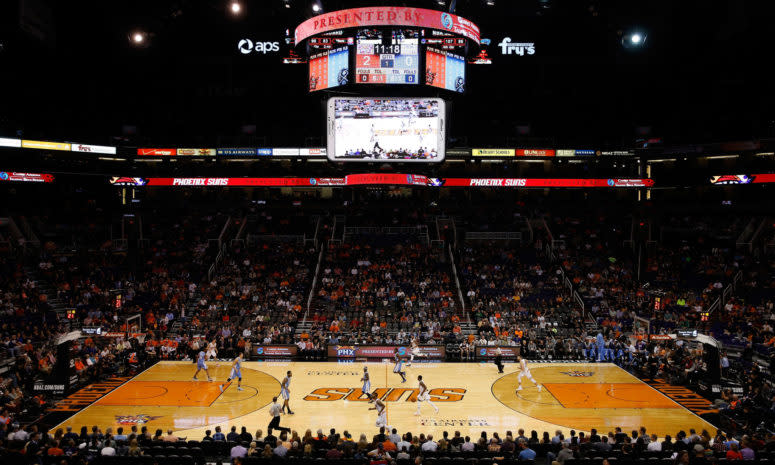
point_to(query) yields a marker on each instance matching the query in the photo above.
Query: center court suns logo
(329, 394)
(578, 374)
(140, 419)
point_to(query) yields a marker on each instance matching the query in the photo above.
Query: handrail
(223, 231)
(314, 284)
(457, 282)
(494, 236)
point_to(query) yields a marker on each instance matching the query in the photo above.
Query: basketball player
(366, 382)
(211, 351)
(285, 392)
(201, 365)
(236, 372)
(415, 352)
(525, 371)
(381, 409)
(423, 396)
(399, 368)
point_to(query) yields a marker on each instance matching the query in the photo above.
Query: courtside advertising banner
(44, 145)
(285, 351)
(157, 152)
(196, 152)
(13, 143)
(103, 149)
(390, 16)
(489, 352)
(359, 351)
(390, 179)
(12, 176)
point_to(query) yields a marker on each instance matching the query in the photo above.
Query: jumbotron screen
(386, 129)
(328, 69)
(387, 57)
(445, 70)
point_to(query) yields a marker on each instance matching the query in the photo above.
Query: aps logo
(247, 46)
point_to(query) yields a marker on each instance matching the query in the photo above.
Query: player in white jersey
(423, 396)
(415, 352)
(381, 409)
(525, 371)
(366, 381)
(211, 350)
(285, 392)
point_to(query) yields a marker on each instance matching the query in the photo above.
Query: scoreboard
(389, 60)
(329, 69)
(445, 70)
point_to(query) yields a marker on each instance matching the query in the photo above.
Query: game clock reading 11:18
(396, 63)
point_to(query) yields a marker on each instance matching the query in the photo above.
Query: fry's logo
(385, 394)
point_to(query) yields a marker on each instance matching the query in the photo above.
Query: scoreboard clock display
(387, 57)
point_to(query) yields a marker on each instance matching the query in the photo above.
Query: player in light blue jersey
(285, 392)
(201, 365)
(399, 368)
(236, 372)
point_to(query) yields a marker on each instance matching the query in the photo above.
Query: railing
(631, 240)
(579, 301)
(143, 243)
(120, 244)
(214, 266)
(254, 238)
(568, 284)
(314, 284)
(530, 230)
(494, 236)
(746, 237)
(457, 282)
(29, 233)
(223, 231)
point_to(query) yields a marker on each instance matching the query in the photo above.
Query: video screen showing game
(445, 70)
(396, 129)
(328, 69)
(387, 57)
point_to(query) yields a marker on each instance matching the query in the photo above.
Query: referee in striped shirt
(275, 410)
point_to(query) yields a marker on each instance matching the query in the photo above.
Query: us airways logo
(385, 394)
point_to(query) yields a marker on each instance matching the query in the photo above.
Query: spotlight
(635, 39)
(138, 38)
(490, 2)
(287, 3)
(235, 7)
(316, 7)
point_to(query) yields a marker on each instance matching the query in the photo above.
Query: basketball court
(472, 397)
